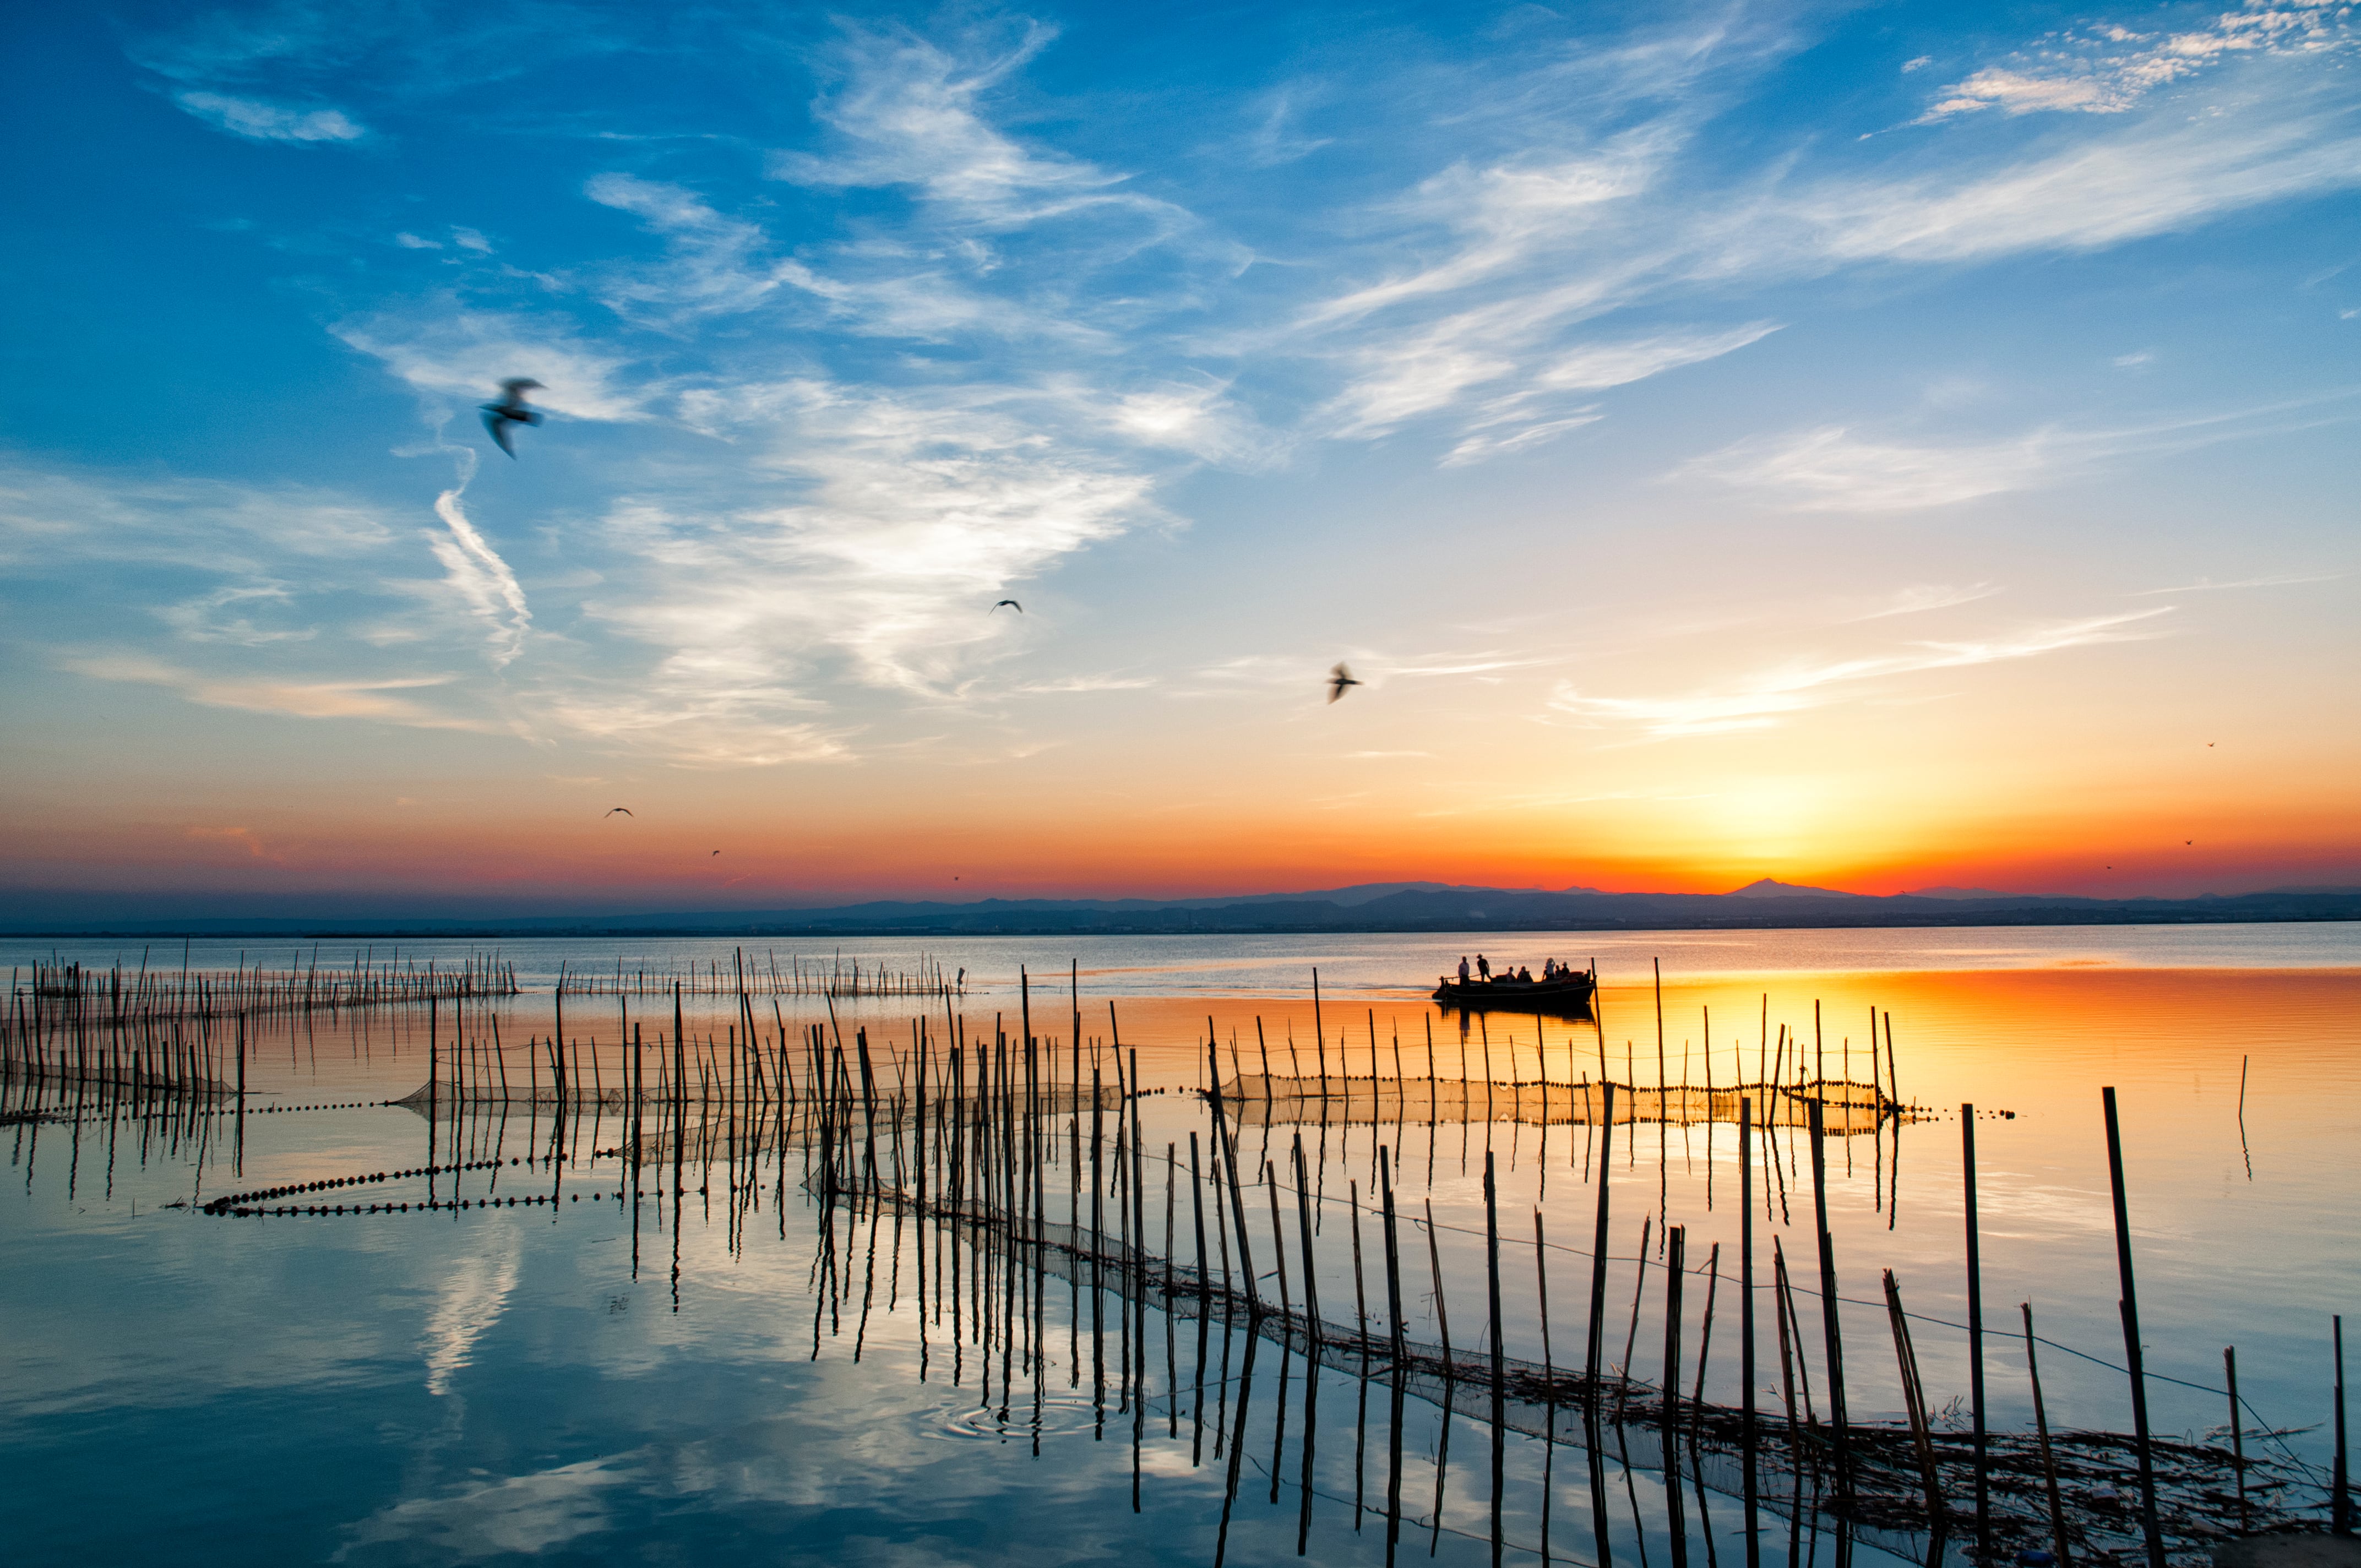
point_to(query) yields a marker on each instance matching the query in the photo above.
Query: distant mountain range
(1368, 906)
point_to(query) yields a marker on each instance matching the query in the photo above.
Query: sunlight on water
(580, 1377)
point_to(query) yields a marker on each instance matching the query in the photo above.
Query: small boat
(1568, 992)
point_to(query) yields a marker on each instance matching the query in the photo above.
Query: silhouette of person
(1483, 966)
(1463, 969)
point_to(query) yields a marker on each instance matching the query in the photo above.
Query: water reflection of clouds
(521, 1514)
(468, 1303)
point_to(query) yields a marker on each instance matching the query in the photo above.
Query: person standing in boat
(1483, 966)
(1463, 969)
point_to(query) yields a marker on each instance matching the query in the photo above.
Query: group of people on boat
(1553, 973)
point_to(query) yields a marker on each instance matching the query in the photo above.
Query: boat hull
(1510, 996)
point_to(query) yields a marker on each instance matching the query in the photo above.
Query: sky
(1876, 446)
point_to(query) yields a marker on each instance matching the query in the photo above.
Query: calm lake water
(588, 1380)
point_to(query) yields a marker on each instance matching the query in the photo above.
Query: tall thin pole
(1976, 1339)
(2340, 1497)
(1500, 1362)
(2129, 1308)
(1599, 1239)
(1746, 1318)
(1829, 1325)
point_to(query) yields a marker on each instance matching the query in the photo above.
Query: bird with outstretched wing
(503, 418)
(1339, 680)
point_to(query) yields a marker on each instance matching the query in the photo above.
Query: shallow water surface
(597, 1374)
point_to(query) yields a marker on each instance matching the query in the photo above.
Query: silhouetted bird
(1010, 603)
(717, 852)
(624, 809)
(500, 418)
(1338, 679)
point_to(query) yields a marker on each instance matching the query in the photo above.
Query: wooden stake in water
(1914, 1404)
(1500, 1361)
(1833, 1329)
(1746, 1320)
(2237, 1433)
(2129, 1306)
(1442, 1314)
(1598, 1242)
(2340, 1496)
(1976, 1340)
(2041, 1429)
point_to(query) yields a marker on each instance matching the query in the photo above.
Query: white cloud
(714, 268)
(295, 698)
(907, 112)
(1521, 260)
(442, 346)
(2206, 585)
(1831, 469)
(477, 573)
(49, 515)
(1763, 700)
(1920, 597)
(2092, 71)
(258, 121)
(228, 615)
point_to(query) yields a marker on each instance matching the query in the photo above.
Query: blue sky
(1820, 440)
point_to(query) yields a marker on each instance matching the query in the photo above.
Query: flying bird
(624, 809)
(1338, 679)
(1010, 603)
(502, 418)
(717, 852)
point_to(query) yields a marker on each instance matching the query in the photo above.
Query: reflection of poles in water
(1171, 1368)
(1598, 1253)
(1361, 1318)
(1197, 1399)
(1098, 1250)
(1394, 1315)
(1285, 1314)
(1310, 1430)
(1500, 1364)
(1549, 1380)
(1632, 1338)
(1237, 1438)
(1676, 1525)
(1746, 1326)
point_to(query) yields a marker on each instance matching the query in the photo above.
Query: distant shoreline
(542, 928)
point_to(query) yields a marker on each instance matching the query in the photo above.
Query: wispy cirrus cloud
(444, 346)
(258, 121)
(478, 575)
(1834, 469)
(1765, 698)
(909, 112)
(375, 699)
(1920, 597)
(2106, 69)
(1529, 260)
(2207, 584)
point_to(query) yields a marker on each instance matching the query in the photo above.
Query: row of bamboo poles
(963, 1133)
(67, 997)
(835, 977)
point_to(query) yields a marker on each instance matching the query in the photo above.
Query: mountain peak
(1767, 887)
